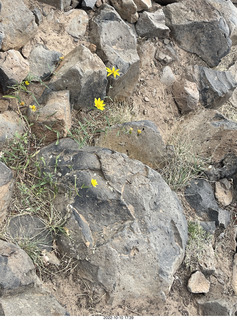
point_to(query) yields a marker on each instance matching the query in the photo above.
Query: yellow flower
(32, 107)
(130, 130)
(139, 131)
(99, 104)
(113, 72)
(27, 83)
(61, 58)
(94, 183)
(22, 103)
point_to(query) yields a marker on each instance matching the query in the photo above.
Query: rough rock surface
(43, 62)
(6, 188)
(186, 95)
(145, 145)
(200, 196)
(217, 141)
(17, 270)
(13, 69)
(127, 9)
(28, 229)
(16, 31)
(205, 34)
(116, 45)
(152, 24)
(53, 120)
(31, 303)
(10, 124)
(76, 22)
(217, 308)
(143, 4)
(132, 218)
(198, 283)
(83, 74)
(215, 86)
(223, 192)
(229, 12)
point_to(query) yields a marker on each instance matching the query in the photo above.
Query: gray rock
(206, 34)
(116, 46)
(167, 77)
(10, 124)
(130, 222)
(17, 271)
(53, 120)
(152, 24)
(229, 13)
(43, 62)
(59, 4)
(186, 95)
(38, 15)
(16, 31)
(126, 139)
(30, 230)
(77, 21)
(200, 196)
(88, 4)
(6, 188)
(83, 74)
(215, 86)
(32, 303)
(127, 9)
(218, 307)
(13, 69)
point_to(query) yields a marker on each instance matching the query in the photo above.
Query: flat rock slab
(205, 34)
(129, 232)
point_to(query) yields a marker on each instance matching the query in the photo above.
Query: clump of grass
(197, 246)
(182, 165)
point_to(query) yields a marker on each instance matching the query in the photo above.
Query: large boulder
(16, 31)
(129, 232)
(116, 45)
(83, 74)
(205, 34)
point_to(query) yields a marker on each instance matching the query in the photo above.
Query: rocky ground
(153, 98)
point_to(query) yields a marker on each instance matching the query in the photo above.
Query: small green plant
(198, 242)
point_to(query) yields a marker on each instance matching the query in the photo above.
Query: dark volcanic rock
(128, 227)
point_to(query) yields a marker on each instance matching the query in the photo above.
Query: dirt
(151, 100)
